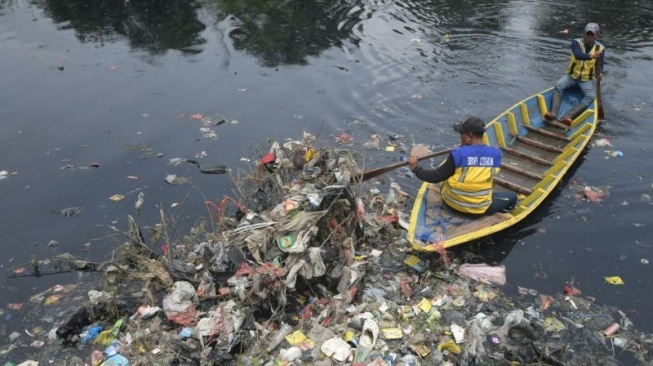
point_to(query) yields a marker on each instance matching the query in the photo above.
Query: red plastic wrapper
(571, 290)
(406, 290)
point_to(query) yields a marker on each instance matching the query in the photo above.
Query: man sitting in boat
(585, 65)
(468, 173)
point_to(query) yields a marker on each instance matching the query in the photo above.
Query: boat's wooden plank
(539, 145)
(524, 164)
(512, 186)
(514, 178)
(557, 124)
(546, 140)
(546, 133)
(470, 226)
(525, 173)
(534, 159)
(534, 151)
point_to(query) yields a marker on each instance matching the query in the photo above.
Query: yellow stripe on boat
(512, 124)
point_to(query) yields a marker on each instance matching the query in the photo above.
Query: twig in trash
(172, 221)
(333, 232)
(135, 233)
(164, 225)
(317, 135)
(276, 313)
(62, 263)
(205, 199)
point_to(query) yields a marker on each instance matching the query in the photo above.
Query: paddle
(372, 173)
(599, 103)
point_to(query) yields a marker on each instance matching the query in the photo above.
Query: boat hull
(536, 154)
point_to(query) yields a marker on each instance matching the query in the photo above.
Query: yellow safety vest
(584, 69)
(469, 189)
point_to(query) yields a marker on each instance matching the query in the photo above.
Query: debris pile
(305, 268)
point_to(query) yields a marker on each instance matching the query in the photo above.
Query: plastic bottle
(278, 338)
(612, 329)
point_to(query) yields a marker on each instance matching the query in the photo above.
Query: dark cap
(473, 125)
(591, 27)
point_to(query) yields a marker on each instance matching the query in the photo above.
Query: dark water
(115, 82)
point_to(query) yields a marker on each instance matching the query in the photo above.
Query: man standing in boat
(468, 173)
(585, 65)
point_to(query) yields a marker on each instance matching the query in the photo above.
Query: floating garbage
(594, 194)
(614, 153)
(603, 142)
(117, 197)
(209, 169)
(612, 329)
(304, 266)
(89, 335)
(179, 305)
(484, 273)
(614, 280)
(175, 180)
(70, 211)
(4, 174)
(337, 349)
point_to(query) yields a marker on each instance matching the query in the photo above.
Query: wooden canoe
(536, 154)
